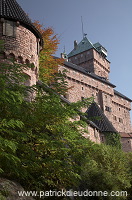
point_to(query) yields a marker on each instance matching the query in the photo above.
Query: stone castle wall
(93, 62)
(114, 107)
(126, 144)
(23, 48)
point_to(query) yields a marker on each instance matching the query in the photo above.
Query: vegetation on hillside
(42, 147)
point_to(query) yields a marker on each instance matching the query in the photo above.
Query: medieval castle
(87, 71)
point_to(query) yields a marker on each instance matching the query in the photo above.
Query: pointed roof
(84, 45)
(11, 10)
(95, 114)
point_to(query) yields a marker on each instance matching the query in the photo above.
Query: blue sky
(106, 21)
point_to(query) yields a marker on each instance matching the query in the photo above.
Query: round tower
(22, 41)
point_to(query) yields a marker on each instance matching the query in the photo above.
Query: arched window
(27, 62)
(20, 59)
(11, 57)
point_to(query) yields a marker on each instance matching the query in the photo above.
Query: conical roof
(84, 45)
(11, 10)
(95, 114)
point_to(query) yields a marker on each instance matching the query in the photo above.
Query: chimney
(75, 44)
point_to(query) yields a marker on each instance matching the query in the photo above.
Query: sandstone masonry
(88, 75)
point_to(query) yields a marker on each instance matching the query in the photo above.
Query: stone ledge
(9, 190)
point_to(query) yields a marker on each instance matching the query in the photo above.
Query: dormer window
(9, 28)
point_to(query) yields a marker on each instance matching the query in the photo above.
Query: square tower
(90, 56)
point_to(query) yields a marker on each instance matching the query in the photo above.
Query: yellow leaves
(48, 65)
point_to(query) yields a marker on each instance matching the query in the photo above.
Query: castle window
(20, 59)
(120, 120)
(82, 98)
(107, 108)
(27, 62)
(114, 117)
(9, 28)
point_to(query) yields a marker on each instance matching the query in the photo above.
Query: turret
(22, 41)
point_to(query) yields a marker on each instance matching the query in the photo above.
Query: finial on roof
(85, 34)
(64, 55)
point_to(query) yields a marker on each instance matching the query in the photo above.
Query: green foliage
(41, 145)
(105, 169)
(113, 139)
(2, 197)
(129, 158)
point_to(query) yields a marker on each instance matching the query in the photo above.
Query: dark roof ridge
(122, 95)
(11, 10)
(93, 75)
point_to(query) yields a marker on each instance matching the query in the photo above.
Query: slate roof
(126, 135)
(92, 75)
(84, 45)
(121, 95)
(97, 45)
(96, 115)
(10, 9)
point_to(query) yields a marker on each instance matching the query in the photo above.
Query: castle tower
(90, 56)
(22, 41)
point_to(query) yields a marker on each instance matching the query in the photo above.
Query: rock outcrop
(9, 190)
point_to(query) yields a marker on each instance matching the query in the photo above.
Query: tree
(40, 143)
(48, 63)
(106, 168)
(43, 149)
